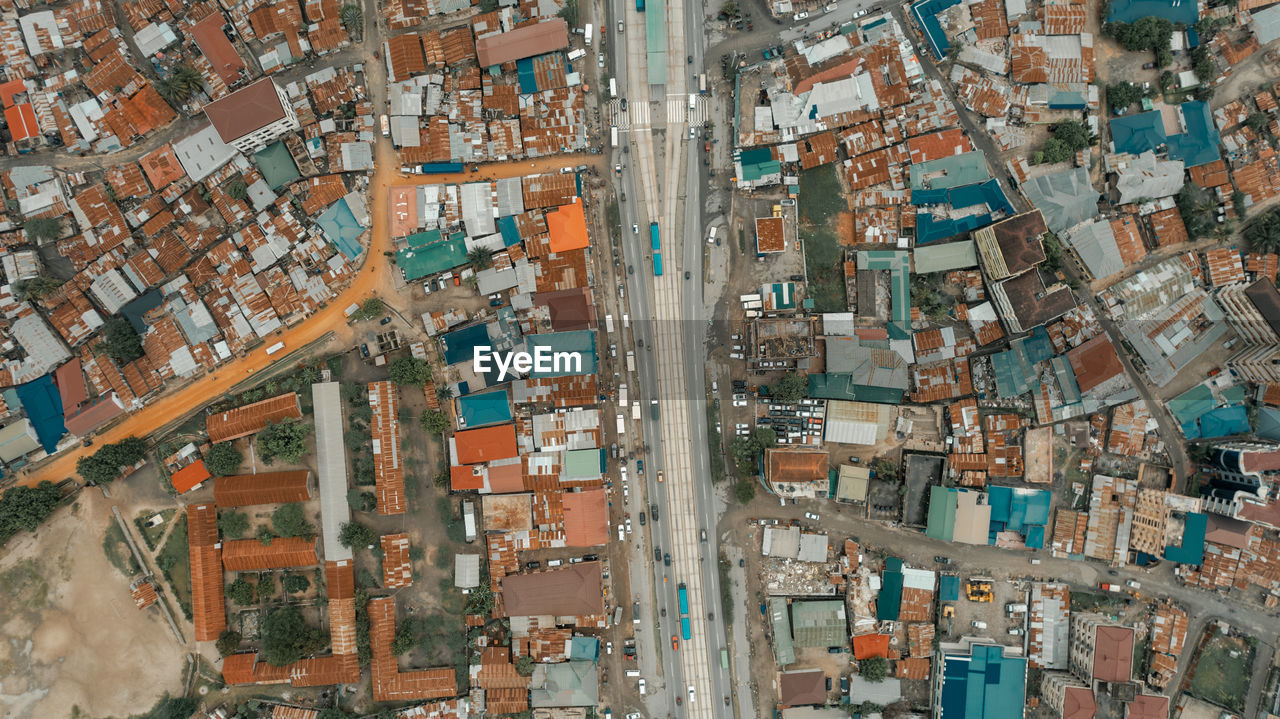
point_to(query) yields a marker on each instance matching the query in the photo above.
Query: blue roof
(926, 12)
(43, 405)
(1191, 551)
(1018, 510)
(1188, 406)
(1136, 134)
(459, 345)
(1224, 421)
(1268, 423)
(984, 685)
(507, 227)
(1175, 11)
(341, 228)
(1199, 144)
(986, 193)
(140, 306)
(485, 408)
(1014, 368)
(889, 603)
(949, 588)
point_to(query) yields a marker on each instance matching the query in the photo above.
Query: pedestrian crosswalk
(635, 116)
(679, 112)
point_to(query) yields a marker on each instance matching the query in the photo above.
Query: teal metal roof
(967, 168)
(1199, 144)
(757, 163)
(1138, 133)
(1188, 406)
(1018, 510)
(784, 649)
(581, 343)
(428, 253)
(1191, 551)
(949, 588)
(583, 464)
(942, 513)
(889, 603)
(898, 263)
(946, 256)
(841, 386)
(984, 685)
(655, 38)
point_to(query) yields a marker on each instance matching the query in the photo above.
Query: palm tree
(481, 258)
(444, 392)
(182, 82)
(352, 18)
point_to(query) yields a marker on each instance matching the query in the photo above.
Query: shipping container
(441, 168)
(631, 361)
(469, 520)
(622, 428)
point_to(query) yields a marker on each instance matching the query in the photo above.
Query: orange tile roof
(388, 470)
(242, 490)
(913, 668)
(208, 610)
(162, 167)
(389, 683)
(144, 594)
(567, 226)
(1167, 227)
(397, 570)
(1209, 176)
(186, 479)
(246, 669)
(795, 464)
(485, 444)
(252, 418)
(1128, 239)
(866, 646)
(242, 555)
(586, 517)
(340, 588)
(938, 145)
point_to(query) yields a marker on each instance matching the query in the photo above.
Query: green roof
(819, 624)
(1188, 406)
(942, 514)
(841, 386)
(967, 168)
(429, 253)
(889, 603)
(757, 163)
(277, 165)
(583, 464)
(946, 256)
(898, 263)
(784, 649)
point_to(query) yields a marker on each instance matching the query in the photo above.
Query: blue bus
(683, 594)
(441, 168)
(639, 5)
(655, 239)
(684, 628)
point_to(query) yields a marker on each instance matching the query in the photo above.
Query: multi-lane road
(662, 180)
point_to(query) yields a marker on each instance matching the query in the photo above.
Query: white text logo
(510, 364)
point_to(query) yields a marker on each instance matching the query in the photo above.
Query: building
(1069, 696)
(252, 418)
(208, 610)
(1013, 246)
(18, 439)
(243, 490)
(388, 472)
(573, 591)
(980, 681)
(1253, 311)
(1100, 650)
(796, 471)
(251, 118)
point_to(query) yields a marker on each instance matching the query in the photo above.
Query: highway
(667, 319)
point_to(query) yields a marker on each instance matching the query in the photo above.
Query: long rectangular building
(388, 473)
(208, 608)
(243, 490)
(252, 418)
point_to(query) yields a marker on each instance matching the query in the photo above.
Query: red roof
(208, 611)
(1094, 362)
(485, 444)
(242, 490)
(21, 120)
(70, 381)
(533, 39)
(866, 646)
(241, 555)
(162, 167)
(186, 479)
(389, 683)
(586, 518)
(245, 110)
(217, 49)
(8, 90)
(1113, 653)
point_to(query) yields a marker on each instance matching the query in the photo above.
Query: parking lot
(992, 614)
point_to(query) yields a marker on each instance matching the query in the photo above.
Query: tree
(223, 459)
(369, 309)
(434, 421)
(480, 258)
(25, 508)
(407, 370)
(233, 523)
(266, 586)
(352, 18)
(791, 388)
(109, 461)
(1148, 33)
(444, 392)
(1263, 234)
(237, 190)
(569, 13)
(120, 341)
(730, 8)
(404, 640)
(1258, 122)
(1069, 137)
(1238, 202)
(180, 84)
(228, 642)
(264, 535)
(286, 637)
(174, 708)
(745, 491)
(354, 535)
(874, 669)
(285, 440)
(524, 666)
(35, 288)
(1121, 95)
(1196, 210)
(1202, 65)
(289, 521)
(333, 713)
(241, 592)
(295, 583)
(43, 229)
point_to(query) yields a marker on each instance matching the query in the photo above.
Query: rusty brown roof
(239, 555)
(245, 110)
(208, 610)
(243, 490)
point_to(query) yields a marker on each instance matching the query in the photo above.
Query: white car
(635, 229)
(608, 648)
(829, 8)
(860, 13)
(811, 515)
(739, 403)
(690, 693)
(640, 683)
(801, 15)
(735, 355)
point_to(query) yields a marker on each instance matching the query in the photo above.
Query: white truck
(608, 324)
(631, 361)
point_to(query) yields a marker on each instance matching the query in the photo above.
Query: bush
(524, 666)
(791, 388)
(407, 370)
(289, 521)
(223, 459)
(286, 637)
(874, 669)
(264, 535)
(25, 508)
(120, 341)
(1121, 95)
(745, 491)
(295, 583)
(228, 642)
(110, 460)
(354, 535)
(35, 288)
(241, 592)
(233, 523)
(266, 586)
(434, 421)
(1069, 137)
(285, 440)
(43, 229)
(1148, 33)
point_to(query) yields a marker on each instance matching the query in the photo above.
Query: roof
(1138, 133)
(243, 490)
(1266, 24)
(572, 591)
(389, 683)
(1012, 246)
(217, 49)
(586, 517)
(1198, 144)
(567, 227)
(984, 685)
(245, 110)
(331, 468)
(242, 555)
(1066, 198)
(388, 472)
(397, 569)
(819, 623)
(945, 256)
(485, 444)
(532, 39)
(795, 464)
(21, 120)
(1078, 703)
(1113, 653)
(770, 236)
(252, 418)
(208, 610)
(190, 476)
(1094, 362)
(1148, 706)
(866, 646)
(91, 416)
(804, 686)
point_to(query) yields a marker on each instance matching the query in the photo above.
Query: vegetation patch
(23, 586)
(1222, 672)
(175, 562)
(117, 551)
(820, 200)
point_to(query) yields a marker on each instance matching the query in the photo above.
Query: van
(640, 686)
(711, 236)
(632, 673)
(693, 101)
(555, 562)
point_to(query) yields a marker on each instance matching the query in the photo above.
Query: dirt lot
(992, 613)
(78, 644)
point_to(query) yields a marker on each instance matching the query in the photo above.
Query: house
(796, 471)
(249, 119)
(572, 591)
(252, 418)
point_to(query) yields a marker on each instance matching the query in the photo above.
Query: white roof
(331, 460)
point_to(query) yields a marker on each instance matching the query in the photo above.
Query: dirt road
(374, 278)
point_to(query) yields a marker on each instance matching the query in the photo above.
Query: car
(830, 8)
(635, 229)
(608, 647)
(591, 557)
(811, 516)
(693, 132)
(639, 466)
(555, 562)
(666, 560)
(492, 303)
(835, 650)
(620, 26)
(742, 562)
(385, 320)
(640, 686)
(642, 519)
(860, 13)
(675, 643)
(704, 535)
(659, 476)
(653, 511)
(624, 104)
(801, 15)
(364, 351)
(532, 565)
(690, 59)
(942, 560)
(691, 697)
(1149, 66)
(631, 270)
(686, 274)
(617, 169)
(600, 60)
(657, 554)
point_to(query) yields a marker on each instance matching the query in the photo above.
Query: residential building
(1253, 311)
(251, 118)
(1099, 649)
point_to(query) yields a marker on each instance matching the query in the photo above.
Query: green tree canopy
(371, 308)
(286, 637)
(285, 440)
(1069, 136)
(524, 665)
(25, 508)
(1123, 94)
(36, 287)
(745, 491)
(233, 523)
(241, 592)
(407, 370)
(1148, 33)
(480, 258)
(354, 535)
(120, 341)
(223, 459)
(43, 229)
(791, 387)
(289, 521)
(874, 669)
(295, 583)
(110, 460)
(569, 13)
(228, 642)
(434, 421)
(1196, 209)
(264, 535)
